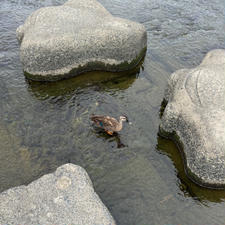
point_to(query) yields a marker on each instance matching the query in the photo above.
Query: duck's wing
(105, 121)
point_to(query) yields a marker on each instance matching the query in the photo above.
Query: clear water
(44, 125)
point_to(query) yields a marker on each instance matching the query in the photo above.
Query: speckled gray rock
(63, 197)
(81, 35)
(195, 118)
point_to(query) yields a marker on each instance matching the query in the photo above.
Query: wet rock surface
(62, 41)
(63, 197)
(194, 117)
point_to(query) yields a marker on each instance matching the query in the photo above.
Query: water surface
(44, 125)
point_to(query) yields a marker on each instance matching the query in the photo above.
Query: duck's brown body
(109, 124)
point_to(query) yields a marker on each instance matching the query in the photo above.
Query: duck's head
(123, 118)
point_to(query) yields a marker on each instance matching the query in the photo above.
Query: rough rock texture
(64, 197)
(81, 35)
(195, 118)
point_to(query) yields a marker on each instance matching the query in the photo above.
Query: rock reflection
(187, 186)
(98, 79)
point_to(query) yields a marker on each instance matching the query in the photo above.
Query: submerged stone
(63, 197)
(195, 118)
(79, 36)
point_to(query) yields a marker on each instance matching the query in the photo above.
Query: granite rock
(194, 117)
(63, 197)
(79, 36)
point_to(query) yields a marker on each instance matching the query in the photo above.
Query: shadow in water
(111, 138)
(187, 186)
(101, 80)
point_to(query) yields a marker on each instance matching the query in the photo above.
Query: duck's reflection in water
(115, 137)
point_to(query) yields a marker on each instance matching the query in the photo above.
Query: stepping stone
(195, 118)
(63, 197)
(79, 36)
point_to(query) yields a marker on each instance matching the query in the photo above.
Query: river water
(44, 125)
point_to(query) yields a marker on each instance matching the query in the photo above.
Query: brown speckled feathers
(105, 122)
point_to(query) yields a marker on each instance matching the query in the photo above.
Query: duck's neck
(120, 124)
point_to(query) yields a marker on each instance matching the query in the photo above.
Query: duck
(109, 124)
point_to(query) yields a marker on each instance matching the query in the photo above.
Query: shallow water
(44, 125)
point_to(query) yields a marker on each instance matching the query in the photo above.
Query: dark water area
(44, 125)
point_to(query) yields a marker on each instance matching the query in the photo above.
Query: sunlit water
(44, 125)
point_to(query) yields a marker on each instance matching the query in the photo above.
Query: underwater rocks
(79, 36)
(63, 197)
(195, 118)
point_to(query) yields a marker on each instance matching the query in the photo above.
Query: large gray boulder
(63, 197)
(195, 118)
(78, 36)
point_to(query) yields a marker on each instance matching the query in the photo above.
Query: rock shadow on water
(98, 80)
(186, 185)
